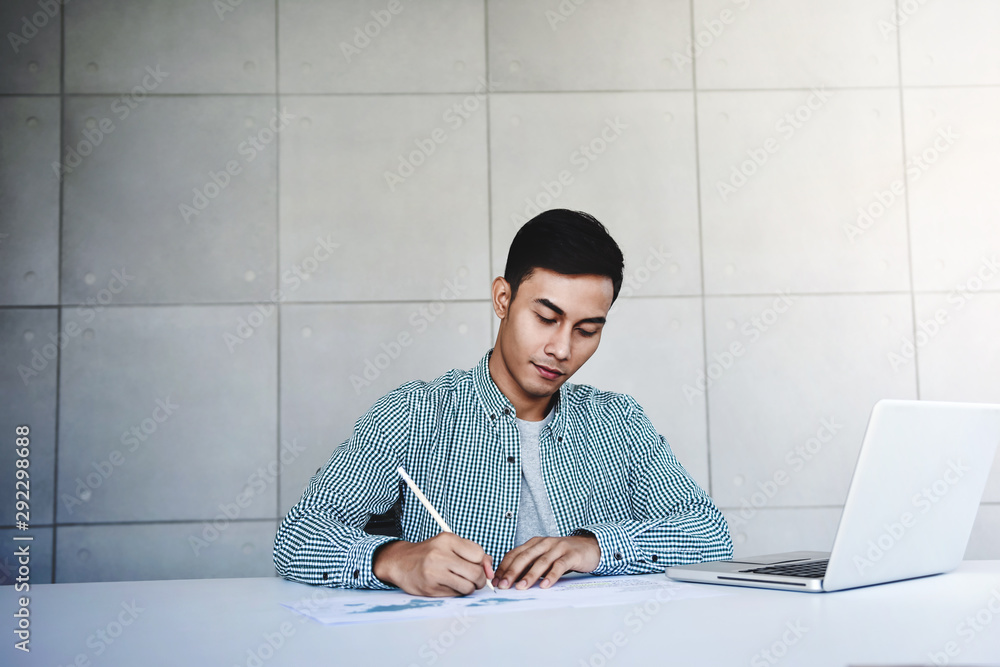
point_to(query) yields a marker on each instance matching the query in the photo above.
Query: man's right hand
(446, 565)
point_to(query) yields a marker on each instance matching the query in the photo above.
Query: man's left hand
(548, 557)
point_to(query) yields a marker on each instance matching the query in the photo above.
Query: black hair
(567, 242)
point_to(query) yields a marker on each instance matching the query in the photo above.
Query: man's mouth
(546, 372)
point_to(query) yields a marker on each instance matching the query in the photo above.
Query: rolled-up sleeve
(674, 520)
(321, 540)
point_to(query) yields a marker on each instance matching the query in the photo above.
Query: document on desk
(342, 607)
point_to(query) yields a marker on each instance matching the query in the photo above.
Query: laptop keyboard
(813, 569)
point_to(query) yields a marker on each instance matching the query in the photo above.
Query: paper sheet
(366, 606)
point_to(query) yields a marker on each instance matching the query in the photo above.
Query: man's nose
(559, 342)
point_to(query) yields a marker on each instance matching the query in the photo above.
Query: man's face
(547, 332)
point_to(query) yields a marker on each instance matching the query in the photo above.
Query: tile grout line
(59, 299)
(268, 519)
(441, 93)
(486, 299)
(906, 205)
(489, 135)
(277, 265)
(701, 252)
(145, 522)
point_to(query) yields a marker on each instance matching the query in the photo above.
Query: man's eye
(586, 333)
(545, 319)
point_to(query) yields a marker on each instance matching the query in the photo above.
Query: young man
(548, 476)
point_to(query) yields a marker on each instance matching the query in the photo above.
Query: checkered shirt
(607, 472)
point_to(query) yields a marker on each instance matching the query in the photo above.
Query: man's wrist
(616, 548)
(383, 561)
(596, 545)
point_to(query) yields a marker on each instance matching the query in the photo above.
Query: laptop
(913, 498)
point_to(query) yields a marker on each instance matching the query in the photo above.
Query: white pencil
(430, 508)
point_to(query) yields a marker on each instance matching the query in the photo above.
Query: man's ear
(501, 296)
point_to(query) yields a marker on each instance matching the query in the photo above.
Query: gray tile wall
(218, 219)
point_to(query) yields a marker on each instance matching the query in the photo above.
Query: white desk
(225, 622)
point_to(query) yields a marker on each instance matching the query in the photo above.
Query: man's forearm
(315, 549)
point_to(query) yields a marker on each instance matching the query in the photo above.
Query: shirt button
(510, 459)
(493, 416)
(559, 438)
(509, 515)
(506, 411)
(357, 573)
(325, 576)
(654, 558)
(618, 556)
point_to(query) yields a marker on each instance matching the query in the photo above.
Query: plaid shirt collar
(497, 406)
